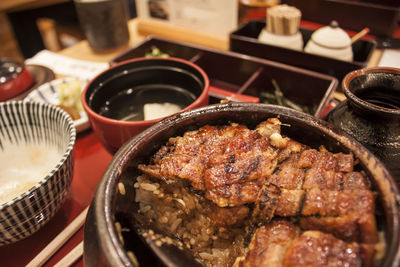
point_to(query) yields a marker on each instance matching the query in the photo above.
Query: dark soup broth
(380, 96)
(128, 104)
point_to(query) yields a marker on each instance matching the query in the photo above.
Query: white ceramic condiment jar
(282, 28)
(330, 41)
(293, 41)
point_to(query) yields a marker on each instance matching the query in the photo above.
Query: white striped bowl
(35, 124)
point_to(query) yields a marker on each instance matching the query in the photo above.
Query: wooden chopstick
(59, 240)
(71, 257)
(359, 35)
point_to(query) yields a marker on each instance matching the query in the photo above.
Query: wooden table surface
(82, 50)
(138, 30)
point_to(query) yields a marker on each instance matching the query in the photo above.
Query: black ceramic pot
(371, 113)
(102, 245)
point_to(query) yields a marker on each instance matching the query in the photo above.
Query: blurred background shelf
(381, 16)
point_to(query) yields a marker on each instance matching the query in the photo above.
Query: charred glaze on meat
(310, 206)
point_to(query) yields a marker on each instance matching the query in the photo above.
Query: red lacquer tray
(91, 159)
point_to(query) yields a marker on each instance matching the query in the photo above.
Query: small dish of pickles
(65, 93)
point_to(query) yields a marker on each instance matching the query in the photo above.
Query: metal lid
(9, 70)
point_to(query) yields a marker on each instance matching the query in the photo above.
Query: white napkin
(82, 69)
(390, 58)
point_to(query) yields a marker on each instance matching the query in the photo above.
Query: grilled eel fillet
(332, 196)
(228, 163)
(234, 166)
(281, 244)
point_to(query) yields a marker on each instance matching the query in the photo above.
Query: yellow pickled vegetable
(70, 94)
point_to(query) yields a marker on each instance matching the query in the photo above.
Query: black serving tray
(240, 75)
(245, 40)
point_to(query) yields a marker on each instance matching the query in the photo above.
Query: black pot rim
(360, 103)
(102, 209)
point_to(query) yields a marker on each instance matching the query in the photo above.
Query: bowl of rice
(225, 184)
(36, 166)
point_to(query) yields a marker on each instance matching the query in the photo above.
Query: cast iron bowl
(101, 243)
(373, 118)
(141, 80)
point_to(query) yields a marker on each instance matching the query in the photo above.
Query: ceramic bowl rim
(61, 162)
(106, 120)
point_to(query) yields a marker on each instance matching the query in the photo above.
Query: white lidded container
(330, 41)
